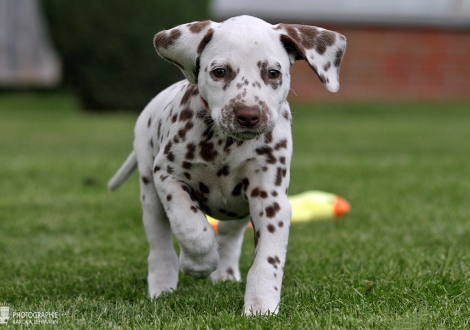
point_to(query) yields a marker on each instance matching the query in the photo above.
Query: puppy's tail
(129, 166)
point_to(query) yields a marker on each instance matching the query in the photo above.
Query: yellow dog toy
(311, 205)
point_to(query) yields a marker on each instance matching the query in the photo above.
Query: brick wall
(394, 64)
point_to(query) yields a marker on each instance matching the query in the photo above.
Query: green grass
(399, 260)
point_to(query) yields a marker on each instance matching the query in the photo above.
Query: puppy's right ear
(183, 45)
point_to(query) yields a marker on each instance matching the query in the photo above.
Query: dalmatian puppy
(219, 143)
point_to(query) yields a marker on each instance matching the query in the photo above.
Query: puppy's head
(242, 67)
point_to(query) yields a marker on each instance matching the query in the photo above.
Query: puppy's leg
(199, 256)
(271, 222)
(162, 261)
(230, 238)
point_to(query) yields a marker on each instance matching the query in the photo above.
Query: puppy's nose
(247, 116)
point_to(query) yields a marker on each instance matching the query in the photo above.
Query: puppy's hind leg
(230, 238)
(162, 260)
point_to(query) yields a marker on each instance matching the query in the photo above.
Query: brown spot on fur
(164, 39)
(197, 27)
(193, 208)
(272, 210)
(156, 169)
(255, 192)
(281, 144)
(191, 91)
(338, 57)
(323, 40)
(268, 152)
(263, 194)
(224, 171)
(203, 188)
(257, 236)
(187, 165)
(208, 153)
(169, 169)
(207, 38)
(280, 224)
(278, 181)
(237, 190)
(169, 197)
(230, 271)
(271, 228)
(191, 149)
(187, 175)
(145, 180)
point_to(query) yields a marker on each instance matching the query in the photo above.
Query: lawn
(399, 260)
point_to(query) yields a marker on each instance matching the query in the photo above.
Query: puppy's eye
(273, 74)
(219, 72)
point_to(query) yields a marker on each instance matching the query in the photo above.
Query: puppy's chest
(215, 168)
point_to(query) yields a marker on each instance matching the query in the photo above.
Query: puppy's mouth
(245, 135)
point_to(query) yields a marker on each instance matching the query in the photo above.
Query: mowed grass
(399, 260)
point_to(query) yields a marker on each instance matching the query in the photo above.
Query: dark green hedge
(107, 49)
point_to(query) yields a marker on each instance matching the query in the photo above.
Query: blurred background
(102, 52)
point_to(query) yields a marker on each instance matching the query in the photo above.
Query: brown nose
(247, 116)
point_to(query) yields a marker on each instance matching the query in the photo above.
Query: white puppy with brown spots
(219, 143)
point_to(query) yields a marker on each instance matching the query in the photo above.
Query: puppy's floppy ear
(322, 49)
(184, 44)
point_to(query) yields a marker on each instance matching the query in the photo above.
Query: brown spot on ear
(164, 39)
(207, 38)
(197, 27)
(339, 57)
(323, 40)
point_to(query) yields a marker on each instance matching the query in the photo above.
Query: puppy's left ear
(183, 45)
(322, 49)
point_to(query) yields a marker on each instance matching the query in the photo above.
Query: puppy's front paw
(200, 266)
(260, 306)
